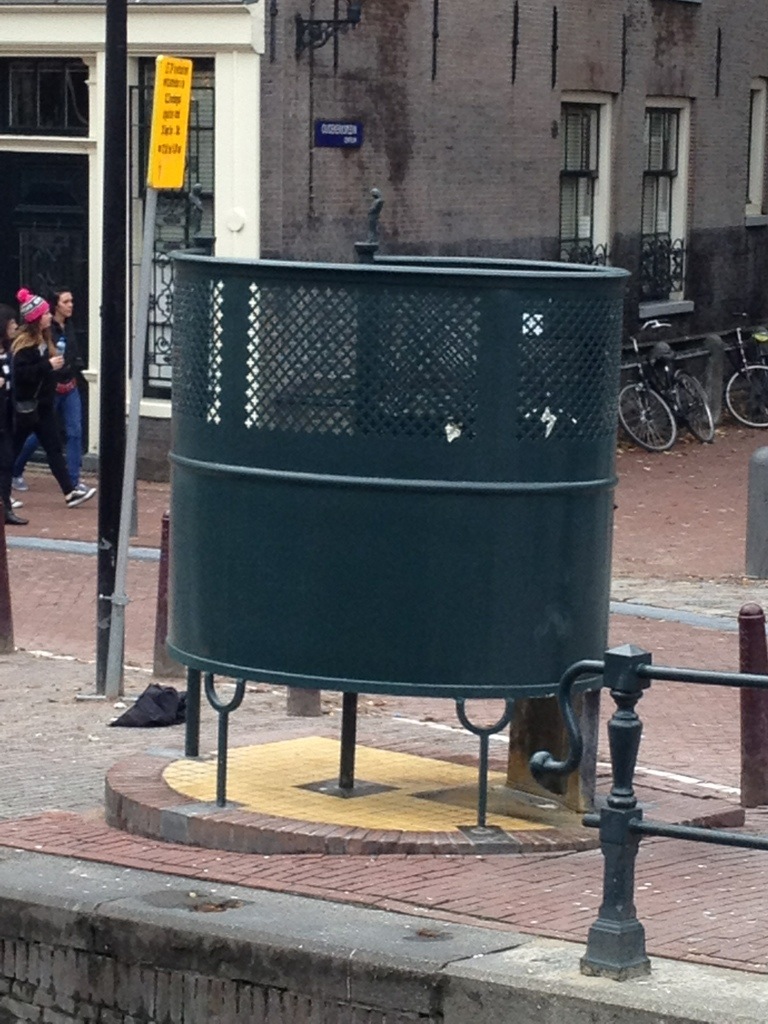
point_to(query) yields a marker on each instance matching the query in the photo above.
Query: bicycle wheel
(694, 407)
(646, 418)
(747, 396)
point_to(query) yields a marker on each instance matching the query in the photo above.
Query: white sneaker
(15, 503)
(76, 498)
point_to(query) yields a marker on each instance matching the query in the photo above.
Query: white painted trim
(674, 307)
(601, 227)
(51, 30)
(679, 225)
(155, 408)
(756, 156)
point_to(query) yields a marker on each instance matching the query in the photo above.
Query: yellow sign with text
(170, 122)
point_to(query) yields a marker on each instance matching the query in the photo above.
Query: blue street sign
(341, 134)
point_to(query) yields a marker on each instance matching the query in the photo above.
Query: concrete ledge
(88, 941)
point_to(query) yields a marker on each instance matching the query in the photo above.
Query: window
(43, 96)
(584, 186)
(185, 216)
(663, 216)
(756, 149)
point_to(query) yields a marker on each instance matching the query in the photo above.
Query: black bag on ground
(156, 706)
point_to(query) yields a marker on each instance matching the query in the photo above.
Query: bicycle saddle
(661, 353)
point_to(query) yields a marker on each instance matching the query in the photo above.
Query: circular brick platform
(139, 800)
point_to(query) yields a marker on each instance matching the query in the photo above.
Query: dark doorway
(44, 228)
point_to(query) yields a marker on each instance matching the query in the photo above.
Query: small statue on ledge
(373, 216)
(195, 200)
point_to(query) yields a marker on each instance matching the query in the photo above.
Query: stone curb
(90, 936)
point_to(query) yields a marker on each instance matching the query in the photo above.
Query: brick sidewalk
(679, 516)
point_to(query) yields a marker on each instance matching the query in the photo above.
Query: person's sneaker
(15, 503)
(19, 484)
(75, 498)
(81, 488)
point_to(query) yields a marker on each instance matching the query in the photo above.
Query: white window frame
(601, 196)
(758, 111)
(676, 303)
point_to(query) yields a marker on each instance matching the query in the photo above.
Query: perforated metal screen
(392, 362)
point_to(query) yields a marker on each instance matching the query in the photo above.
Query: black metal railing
(662, 267)
(616, 941)
(584, 252)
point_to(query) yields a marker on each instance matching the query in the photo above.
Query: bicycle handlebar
(654, 325)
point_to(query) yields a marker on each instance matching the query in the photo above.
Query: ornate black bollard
(616, 941)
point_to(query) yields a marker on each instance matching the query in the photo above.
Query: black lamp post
(312, 33)
(113, 322)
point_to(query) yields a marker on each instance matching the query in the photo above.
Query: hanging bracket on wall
(312, 33)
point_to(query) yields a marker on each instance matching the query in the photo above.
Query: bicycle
(662, 399)
(746, 393)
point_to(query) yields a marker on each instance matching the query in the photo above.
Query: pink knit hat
(31, 307)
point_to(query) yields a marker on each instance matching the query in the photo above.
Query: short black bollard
(163, 664)
(757, 516)
(616, 941)
(192, 725)
(753, 658)
(6, 614)
(348, 742)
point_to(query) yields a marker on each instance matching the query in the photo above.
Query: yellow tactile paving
(264, 779)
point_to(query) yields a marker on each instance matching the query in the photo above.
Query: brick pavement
(680, 516)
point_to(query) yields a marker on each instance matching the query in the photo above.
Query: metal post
(163, 664)
(115, 659)
(192, 726)
(113, 323)
(302, 702)
(753, 658)
(757, 516)
(616, 941)
(348, 741)
(6, 614)
(224, 711)
(483, 732)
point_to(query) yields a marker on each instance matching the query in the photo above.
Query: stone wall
(461, 132)
(85, 942)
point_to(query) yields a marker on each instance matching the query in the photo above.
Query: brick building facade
(632, 130)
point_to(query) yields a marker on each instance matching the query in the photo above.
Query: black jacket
(33, 376)
(5, 391)
(73, 363)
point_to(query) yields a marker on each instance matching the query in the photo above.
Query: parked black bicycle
(663, 399)
(746, 393)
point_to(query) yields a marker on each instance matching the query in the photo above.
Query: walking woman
(35, 362)
(67, 402)
(8, 327)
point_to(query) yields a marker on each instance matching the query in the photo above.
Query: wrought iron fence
(662, 267)
(184, 217)
(616, 940)
(584, 252)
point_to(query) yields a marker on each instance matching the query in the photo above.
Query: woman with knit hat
(8, 327)
(35, 361)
